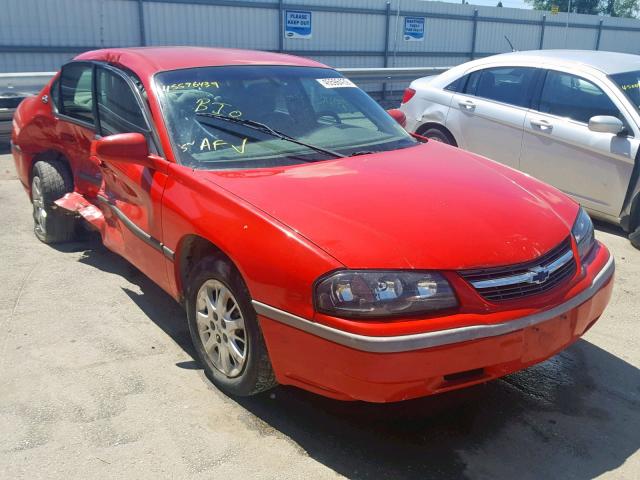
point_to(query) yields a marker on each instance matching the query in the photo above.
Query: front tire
(224, 329)
(50, 181)
(438, 135)
(634, 238)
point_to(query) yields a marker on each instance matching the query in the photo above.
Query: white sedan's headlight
(583, 233)
(382, 293)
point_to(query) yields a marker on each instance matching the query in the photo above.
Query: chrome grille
(525, 279)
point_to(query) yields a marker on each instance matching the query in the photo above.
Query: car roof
(606, 62)
(146, 61)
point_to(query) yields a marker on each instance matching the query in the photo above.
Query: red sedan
(312, 241)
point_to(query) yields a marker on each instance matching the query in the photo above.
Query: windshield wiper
(271, 131)
(362, 152)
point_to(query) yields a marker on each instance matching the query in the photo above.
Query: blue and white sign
(413, 29)
(297, 24)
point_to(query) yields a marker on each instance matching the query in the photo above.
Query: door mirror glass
(606, 124)
(123, 148)
(398, 116)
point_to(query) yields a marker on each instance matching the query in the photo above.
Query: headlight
(379, 293)
(583, 233)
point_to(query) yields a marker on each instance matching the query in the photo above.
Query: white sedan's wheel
(437, 135)
(635, 238)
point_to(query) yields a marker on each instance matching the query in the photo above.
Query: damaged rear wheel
(50, 181)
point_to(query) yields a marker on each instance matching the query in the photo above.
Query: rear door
(131, 194)
(487, 117)
(75, 129)
(559, 148)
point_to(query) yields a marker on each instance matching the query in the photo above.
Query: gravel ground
(97, 380)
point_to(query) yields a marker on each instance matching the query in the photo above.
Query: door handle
(542, 124)
(467, 104)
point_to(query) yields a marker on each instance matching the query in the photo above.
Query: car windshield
(629, 83)
(316, 106)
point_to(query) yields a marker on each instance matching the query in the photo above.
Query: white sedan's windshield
(629, 83)
(316, 106)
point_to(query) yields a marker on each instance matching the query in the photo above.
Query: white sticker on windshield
(338, 82)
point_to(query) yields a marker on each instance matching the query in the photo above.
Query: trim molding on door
(136, 230)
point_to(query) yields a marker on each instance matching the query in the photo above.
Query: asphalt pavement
(97, 380)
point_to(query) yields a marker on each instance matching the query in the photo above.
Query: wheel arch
(427, 125)
(49, 155)
(191, 249)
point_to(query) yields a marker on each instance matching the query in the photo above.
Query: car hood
(429, 206)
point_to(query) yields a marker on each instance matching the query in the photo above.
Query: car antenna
(513, 49)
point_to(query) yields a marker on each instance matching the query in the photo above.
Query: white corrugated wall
(42, 34)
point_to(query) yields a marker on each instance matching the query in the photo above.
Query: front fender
(278, 265)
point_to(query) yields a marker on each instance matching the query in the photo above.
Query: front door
(131, 194)
(559, 148)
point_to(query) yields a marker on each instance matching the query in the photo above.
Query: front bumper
(349, 366)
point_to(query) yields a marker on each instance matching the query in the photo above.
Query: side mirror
(123, 148)
(398, 116)
(606, 124)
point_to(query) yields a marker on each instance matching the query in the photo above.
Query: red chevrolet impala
(312, 241)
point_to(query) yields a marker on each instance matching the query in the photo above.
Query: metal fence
(38, 35)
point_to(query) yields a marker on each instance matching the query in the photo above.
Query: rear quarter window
(457, 85)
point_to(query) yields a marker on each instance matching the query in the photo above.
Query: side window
(472, 83)
(77, 97)
(54, 94)
(118, 109)
(457, 85)
(512, 85)
(569, 96)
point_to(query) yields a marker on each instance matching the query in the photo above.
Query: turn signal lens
(382, 293)
(408, 95)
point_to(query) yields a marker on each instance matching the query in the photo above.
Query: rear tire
(438, 135)
(224, 329)
(50, 181)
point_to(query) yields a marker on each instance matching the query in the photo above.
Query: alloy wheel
(39, 212)
(221, 328)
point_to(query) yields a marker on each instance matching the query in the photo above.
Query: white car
(568, 117)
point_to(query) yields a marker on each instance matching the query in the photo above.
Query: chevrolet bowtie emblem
(538, 275)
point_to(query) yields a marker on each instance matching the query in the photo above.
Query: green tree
(610, 8)
(499, 4)
(591, 7)
(620, 8)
